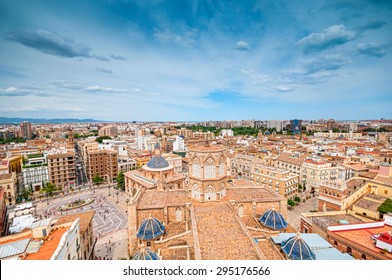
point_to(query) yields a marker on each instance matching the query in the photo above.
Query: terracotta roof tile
(85, 219)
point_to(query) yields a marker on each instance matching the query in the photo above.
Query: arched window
(209, 169)
(349, 250)
(335, 243)
(221, 168)
(210, 193)
(363, 256)
(196, 169)
(195, 191)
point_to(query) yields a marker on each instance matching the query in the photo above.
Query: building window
(335, 243)
(349, 250)
(221, 169)
(209, 169)
(363, 256)
(196, 170)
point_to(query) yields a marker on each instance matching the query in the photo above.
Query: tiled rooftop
(363, 236)
(251, 194)
(159, 199)
(326, 221)
(286, 157)
(368, 204)
(220, 235)
(85, 219)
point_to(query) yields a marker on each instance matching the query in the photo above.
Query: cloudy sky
(196, 60)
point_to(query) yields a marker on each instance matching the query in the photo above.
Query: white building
(315, 171)
(227, 132)
(35, 173)
(35, 177)
(179, 144)
(126, 164)
(278, 125)
(174, 160)
(146, 143)
(69, 245)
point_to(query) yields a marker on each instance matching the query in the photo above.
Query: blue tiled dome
(145, 254)
(157, 146)
(157, 162)
(150, 228)
(296, 249)
(273, 219)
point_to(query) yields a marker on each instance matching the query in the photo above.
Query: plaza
(109, 222)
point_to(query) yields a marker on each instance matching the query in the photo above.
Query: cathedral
(202, 216)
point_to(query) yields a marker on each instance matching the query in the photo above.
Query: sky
(153, 60)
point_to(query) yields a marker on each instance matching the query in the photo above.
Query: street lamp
(47, 199)
(126, 210)
(117, 196)
(109, 191)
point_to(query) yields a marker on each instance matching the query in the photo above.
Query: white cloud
(328, 38)
(284, 88)
(105, 89)
(9, 90)
(184, 39)
(242, 46)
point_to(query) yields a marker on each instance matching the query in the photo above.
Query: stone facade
(207, 173)
(219, 224)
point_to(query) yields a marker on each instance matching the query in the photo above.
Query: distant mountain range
(4, 120)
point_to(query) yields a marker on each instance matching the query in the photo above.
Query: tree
(297, 199)
(49, 188)
(97, 180)
(386, 207)
(290, 202)
(25, 194)
(101, 138)
(121, 181)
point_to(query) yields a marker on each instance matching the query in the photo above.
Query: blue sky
(196, 60)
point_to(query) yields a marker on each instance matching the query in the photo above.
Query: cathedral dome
(273, 219)
(157, 162)
(296, 249)
(145, 254)
(150, 228)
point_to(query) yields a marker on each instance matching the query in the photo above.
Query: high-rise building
(102, 163)
(62, 169)
(26, 130)
(278, 125)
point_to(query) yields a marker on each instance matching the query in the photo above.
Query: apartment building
(280, 180)
(291, 162)
(315, 171)
(61, 169)
(103, 163)
(8, 183)
(25, 130)
(241, 165)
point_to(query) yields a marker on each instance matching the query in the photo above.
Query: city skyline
(207, 60)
